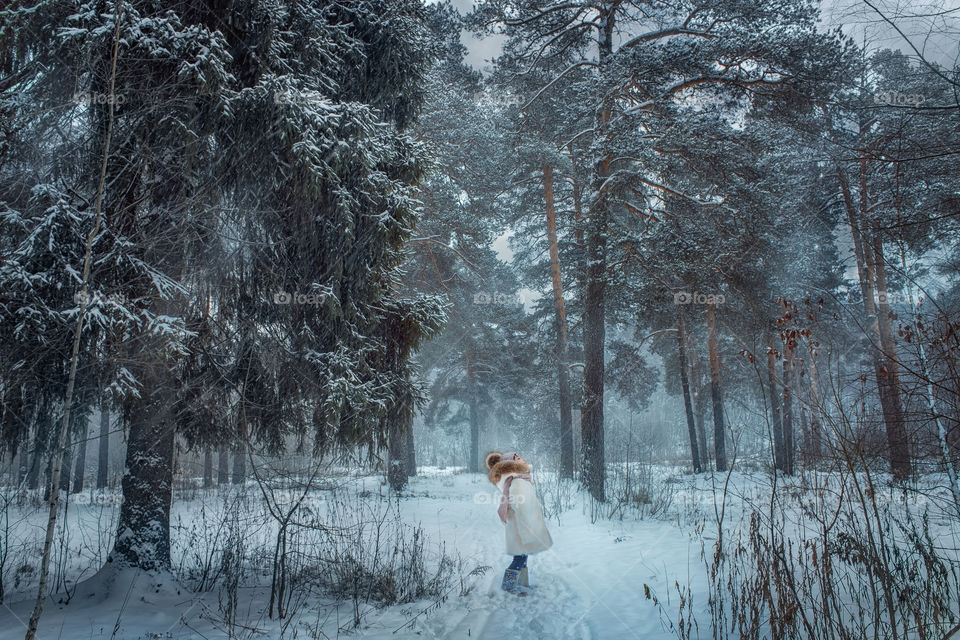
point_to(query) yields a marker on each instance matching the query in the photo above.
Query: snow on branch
(582, 63)
(665, 33)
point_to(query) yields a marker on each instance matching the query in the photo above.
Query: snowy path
(588, 586)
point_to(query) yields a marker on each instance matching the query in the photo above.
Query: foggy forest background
(263, 245)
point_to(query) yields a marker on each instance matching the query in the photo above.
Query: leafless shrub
(372, 556)
(845, 558)
(637, 489)
(556, 494)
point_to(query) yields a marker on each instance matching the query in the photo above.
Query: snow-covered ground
(590, 585)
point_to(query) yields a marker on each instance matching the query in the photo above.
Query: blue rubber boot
(510, 578)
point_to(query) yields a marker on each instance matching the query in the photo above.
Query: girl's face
(517, 457)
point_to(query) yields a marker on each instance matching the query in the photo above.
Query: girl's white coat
(526, 531)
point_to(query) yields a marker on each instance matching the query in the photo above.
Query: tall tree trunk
(223, 466)
(103, 456)
(700, 413)
(143, 530)
(207, 467)
(240, 464)
(48, 476)
(816, 430)
(579, 223)
(473, 401)
(411, 453)
(579, 239)
(36, 457)
(240, 453)
(560, 312)
(22, 466)
(696, 387)
(897, 435)
(578, 217)
(801, 409)
(397, 456)
(81, 462)
(685, 389)
(779, 454)
(788, 447)
(65, 473)
(864, 253)
(591, 415)
(804, 430)
(716, 391)
(593, 458)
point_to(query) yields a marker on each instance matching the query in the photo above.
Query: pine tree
(266, 158)
(638, 85)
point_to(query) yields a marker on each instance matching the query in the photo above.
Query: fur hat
(499, 468)
(493, 458)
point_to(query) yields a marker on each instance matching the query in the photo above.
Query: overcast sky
(916, 18)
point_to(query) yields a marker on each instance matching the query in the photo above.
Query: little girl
(520, 511)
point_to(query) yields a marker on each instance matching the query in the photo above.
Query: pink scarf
(505, 507)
